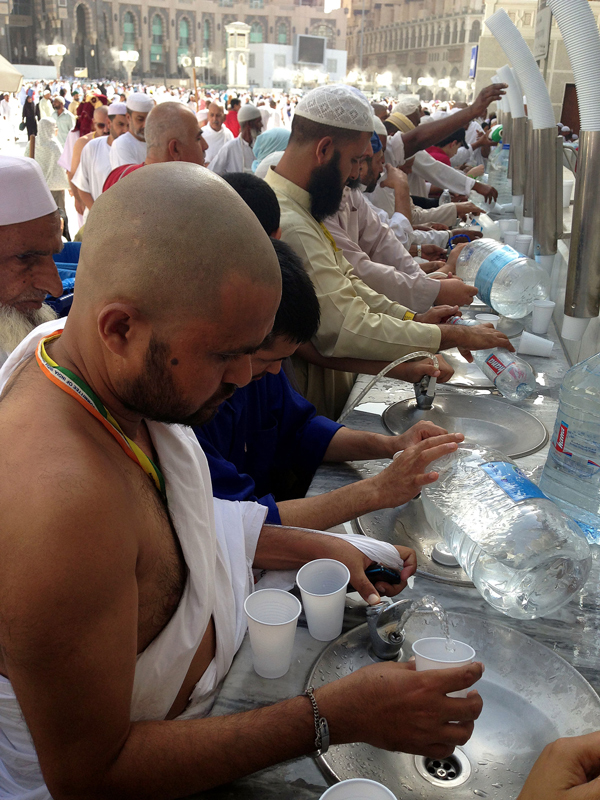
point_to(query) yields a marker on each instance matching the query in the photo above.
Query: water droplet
(479, 793)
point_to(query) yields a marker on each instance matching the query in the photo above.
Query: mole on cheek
(174, 361)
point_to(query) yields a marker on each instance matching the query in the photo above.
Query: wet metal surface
(531, 697)
(500, 426)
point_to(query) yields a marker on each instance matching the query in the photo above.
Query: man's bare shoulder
(59, 469)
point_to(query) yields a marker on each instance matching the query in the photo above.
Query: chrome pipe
(545, 195)
(518, 155)
(528, 207)
(583, 280)
(507, 127)
(560, 143)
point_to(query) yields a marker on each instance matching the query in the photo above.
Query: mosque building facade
(163, 32)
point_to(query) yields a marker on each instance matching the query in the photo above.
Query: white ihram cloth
(235, 156)
(218, 545)
(218, 539)
(126, 149)
(94, 167)
(215, 141)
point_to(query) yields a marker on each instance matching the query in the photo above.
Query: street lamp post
(56, 53)
(129, 59)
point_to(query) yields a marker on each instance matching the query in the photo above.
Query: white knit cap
(140, 102)
(407, 104)
(116, 108)
(338, 106)
(379, 127)
(25, 194)
(247, 112)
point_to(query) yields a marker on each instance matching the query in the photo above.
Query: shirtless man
(119, 591)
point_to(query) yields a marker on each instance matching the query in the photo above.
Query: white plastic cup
(322, 584)
(523, 244)
(358, 789)
(508, 225)
(272, 616)
(574, 328)
(432, 653)
(510, 238)
(531, 345)
(541, 316)
(488, 318)
(567, 192)
(527, 225)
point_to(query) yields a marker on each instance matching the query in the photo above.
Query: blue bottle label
(489, 269)
(512, 481)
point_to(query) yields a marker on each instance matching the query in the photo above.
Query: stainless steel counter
(571, 632)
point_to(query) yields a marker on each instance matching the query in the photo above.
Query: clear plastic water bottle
(571, 475)
(507, 281)
(445, 198)
(503, 159)
(524, 555)
(512, 376)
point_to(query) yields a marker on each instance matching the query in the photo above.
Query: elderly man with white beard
(29, 236)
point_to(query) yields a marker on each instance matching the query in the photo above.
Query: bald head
(158, 216)
(173, 134)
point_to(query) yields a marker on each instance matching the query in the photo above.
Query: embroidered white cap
(379, 127)
(140, 102)
(25, 194)
(116, 108)
(407, 104)
(339, 106)
(247, 112)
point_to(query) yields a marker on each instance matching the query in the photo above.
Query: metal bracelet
(321, 726)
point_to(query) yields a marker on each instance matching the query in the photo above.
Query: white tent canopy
(10, 78)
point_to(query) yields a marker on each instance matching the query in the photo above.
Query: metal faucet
(425, 392)
(386, 627)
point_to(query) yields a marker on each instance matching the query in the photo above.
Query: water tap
(386, 628)
(425, 392)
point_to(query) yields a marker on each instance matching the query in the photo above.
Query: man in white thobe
(215, 133)
(94, 166)
(130, 148)
(237, 156)
(64, 120)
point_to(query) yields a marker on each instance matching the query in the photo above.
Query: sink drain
(445, 772)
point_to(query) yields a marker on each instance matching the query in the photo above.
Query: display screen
(311, 49)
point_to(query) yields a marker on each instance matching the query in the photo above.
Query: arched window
(184, 37)
(455, 33)
(256, 33)
(128, 31)
(447, 34)
(326, 31)
(282, 33)
(156, 48)
(475, 31)
(206, 37)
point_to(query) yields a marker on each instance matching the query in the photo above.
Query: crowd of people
(235, 275)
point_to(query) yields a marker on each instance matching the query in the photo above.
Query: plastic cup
(488, 318)
(542, 314)
(567, 192)
(322, 584)
(531, 345)
(510, 238)
(523, 244)
(272, 616)
(574, 328)
(508, 225)
(432, 653)
(358, 789)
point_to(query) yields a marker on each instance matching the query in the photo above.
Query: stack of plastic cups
(510, 238)
(524, 244)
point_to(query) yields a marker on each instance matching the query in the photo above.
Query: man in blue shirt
(266, 436)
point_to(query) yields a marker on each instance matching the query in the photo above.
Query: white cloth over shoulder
(218, 544)
(235, 156)
(94, 167)
(126, 149)
(215, 141)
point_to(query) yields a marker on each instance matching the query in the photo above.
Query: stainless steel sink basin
(408, 526)
(531, 697)
(490, 423)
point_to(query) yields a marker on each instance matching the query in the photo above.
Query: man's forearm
(424, 136)
(326, 510)
(171, 759)
(351, 445)
(86, 198)
(402, 203)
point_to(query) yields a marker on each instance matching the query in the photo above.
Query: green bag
(22, 126)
